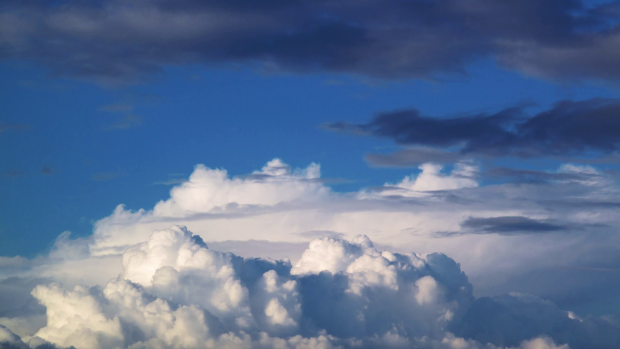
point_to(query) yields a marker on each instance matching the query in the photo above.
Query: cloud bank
(116, 40)
(540, 271)
(175, 292)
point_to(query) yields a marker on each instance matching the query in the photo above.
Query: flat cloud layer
(144, 281)
(117, 40)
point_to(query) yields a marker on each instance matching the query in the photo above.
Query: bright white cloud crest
(143, 281)
(174, 292)
(209, 189)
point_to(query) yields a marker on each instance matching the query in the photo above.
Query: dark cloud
(532, 176)
(118, 40)
(569, 128)
(508, 319)
(412, 157)
(510, 225)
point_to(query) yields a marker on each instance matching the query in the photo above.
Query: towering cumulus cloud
(175, 292)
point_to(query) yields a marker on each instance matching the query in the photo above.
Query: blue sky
(223, 118)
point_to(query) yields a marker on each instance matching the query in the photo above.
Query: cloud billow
(143, 281)
(175, 292)
(568, 128)
(115, 40)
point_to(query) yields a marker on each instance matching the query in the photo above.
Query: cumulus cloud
(431, 179)
(119, 41)
(573, 206)
(343, 290)
(175, 292)
(208, 188)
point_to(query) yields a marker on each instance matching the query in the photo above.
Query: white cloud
(430, 179)
(208, 189)
(173, 292)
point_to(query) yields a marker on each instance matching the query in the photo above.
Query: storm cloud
(568, 128)
(115, 40)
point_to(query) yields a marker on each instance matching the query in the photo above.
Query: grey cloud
(115, 41)
(506, 320)
(510, 225)
(569, 128)
(412, 157)
(532, 176)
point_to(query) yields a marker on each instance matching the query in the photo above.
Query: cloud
(542, 177)
(175, 292)
(275, 183)
(569, 128)
(556, 39)
(411, 157)
(343, 282)
(510, 225)
(431, 179)
(488, 321)
(276, 212)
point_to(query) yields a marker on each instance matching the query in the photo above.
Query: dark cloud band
(569, 128)
(118, 40)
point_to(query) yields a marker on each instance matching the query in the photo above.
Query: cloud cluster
(175, 292)
(117, 40)
(550, 233)
(275, 183)
(569, 128)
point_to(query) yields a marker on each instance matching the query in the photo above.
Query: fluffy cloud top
(175, 292)
(208, 189)
(127, 287)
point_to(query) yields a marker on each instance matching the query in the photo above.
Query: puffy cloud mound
(209, 189)
(175, 292)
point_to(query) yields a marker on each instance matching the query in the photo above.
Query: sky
(293, 174)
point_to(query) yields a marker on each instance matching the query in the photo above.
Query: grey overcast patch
(557, 39)
(412, 157)
(509, 225)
